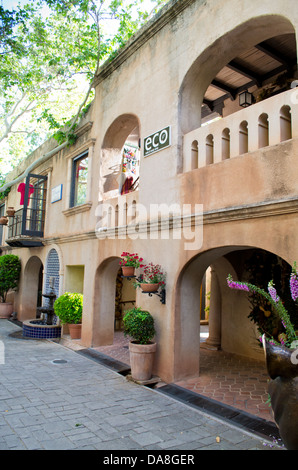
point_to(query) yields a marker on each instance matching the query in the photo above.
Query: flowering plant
(131, 259)
(153, 275)
(290, 337)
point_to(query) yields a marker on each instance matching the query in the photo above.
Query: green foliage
(261, 268)
(10, 270)
(7, 191)
(69, 307)
(48, 60)
(139, 325)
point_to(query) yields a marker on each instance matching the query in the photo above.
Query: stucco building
(188, 157)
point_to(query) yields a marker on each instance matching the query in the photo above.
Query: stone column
(214, 339)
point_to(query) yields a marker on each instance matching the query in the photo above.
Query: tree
(49, 57)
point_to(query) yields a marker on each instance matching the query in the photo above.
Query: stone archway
(104, 302)
(113, 295)
(217, 55)
(125, 130)
(229, 327)
(31, 285)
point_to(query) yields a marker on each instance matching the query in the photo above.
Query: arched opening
(114, 294)
(194, 155)
(52, 271)
(32, 288)
(236, 320)
(263, 131)
(285, 123)
(121, 157)
(248, 58)
(243, 138)
(225, 144)
(209, 150)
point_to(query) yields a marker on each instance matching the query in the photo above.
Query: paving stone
(84, 405)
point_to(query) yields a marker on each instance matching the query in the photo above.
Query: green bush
(10, 271)
(69, 307)
(139, 325)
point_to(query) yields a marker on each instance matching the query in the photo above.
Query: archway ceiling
(254, 67)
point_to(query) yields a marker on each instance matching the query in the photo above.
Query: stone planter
(282, 367)
(6, 310)
(141, 360)
(75, 330)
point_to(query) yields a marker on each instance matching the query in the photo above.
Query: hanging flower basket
(149, 287)
(128, 271)
(129, 262)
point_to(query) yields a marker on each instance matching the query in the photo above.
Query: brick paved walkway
(234, 380)
(54, 398)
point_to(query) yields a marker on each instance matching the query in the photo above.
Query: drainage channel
(259, 426)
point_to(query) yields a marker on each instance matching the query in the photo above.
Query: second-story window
(2, 207)
(79, 180)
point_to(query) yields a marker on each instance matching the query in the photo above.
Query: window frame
(82, 156)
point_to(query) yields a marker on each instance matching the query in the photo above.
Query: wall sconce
(245, 99)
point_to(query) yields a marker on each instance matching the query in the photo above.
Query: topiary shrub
(69, 307)
(10, 271)
(139, 325)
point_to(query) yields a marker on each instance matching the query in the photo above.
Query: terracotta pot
(75, 330)
(3, 220)
(128, 270)
(141, 360)
(10, 212)
(149, 287)
(282, 366)
(6, 309)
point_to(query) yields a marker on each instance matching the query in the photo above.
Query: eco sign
(158, 141)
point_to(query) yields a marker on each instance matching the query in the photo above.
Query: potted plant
(68, 308)
(152, 278)
(3, 220)
(281, 360)
(139, 325)
(10, 212)
(10, 270)
(129, 262)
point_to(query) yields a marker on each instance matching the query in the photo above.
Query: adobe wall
(249, 201)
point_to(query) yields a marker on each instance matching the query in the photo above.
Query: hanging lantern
(245, 99)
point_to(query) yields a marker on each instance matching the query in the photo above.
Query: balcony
(26, 227)
(263, 124)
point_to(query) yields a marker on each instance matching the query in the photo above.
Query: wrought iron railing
(30, 219)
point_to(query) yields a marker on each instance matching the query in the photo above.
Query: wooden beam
(274, 54)
(224, 87)
(245, 71)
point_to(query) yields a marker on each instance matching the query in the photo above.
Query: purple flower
(294, 285)
(272, 292)
(237, 285)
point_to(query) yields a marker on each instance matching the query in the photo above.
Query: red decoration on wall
(21, 189)
(127, 185)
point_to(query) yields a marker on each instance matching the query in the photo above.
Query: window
(79, 180)
(2, 207)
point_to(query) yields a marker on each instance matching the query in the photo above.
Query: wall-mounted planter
(10, 212)
(3, 220)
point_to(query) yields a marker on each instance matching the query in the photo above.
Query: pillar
(214, 339)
